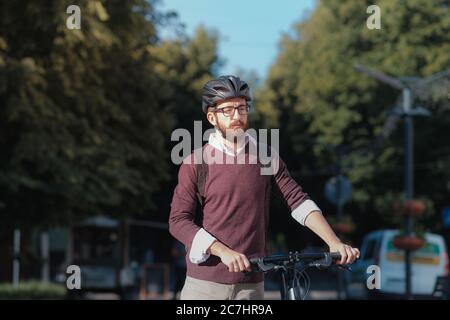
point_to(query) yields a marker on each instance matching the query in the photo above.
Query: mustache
(237, 123)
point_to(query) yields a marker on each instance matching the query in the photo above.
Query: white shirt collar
(217, 141)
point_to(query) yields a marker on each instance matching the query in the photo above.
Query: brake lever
(322, 263)
(345, 267)
(261, 267)
(265, 266)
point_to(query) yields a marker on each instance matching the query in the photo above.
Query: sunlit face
(232, 124)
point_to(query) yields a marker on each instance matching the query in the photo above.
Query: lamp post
(407, 112)
(409, 178)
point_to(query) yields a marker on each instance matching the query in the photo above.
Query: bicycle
(292, 267)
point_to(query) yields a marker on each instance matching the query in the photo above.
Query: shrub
(32, 290)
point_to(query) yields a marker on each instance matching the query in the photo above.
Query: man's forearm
(217, 248)
(319, 225)
(235, 261)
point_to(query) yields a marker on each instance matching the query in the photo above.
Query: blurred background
(86, 117)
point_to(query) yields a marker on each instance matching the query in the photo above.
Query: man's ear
(211, 118)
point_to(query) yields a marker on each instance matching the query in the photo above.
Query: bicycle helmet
(224, 87)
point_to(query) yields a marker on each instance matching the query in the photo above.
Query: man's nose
(236, 115)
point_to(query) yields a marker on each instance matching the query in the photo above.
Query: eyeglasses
(229, 111)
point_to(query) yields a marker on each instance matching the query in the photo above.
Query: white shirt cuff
(202, 241)
(303, 210)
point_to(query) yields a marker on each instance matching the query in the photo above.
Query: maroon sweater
(234, 213)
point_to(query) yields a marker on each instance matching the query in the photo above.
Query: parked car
(428, 263)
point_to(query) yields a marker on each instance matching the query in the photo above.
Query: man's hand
(348, 254)
(317, 223)
(235, 261)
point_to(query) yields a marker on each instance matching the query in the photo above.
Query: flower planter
(343, 228)
(408, 242)
(412, 208)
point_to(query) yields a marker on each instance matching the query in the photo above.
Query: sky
(250, 30)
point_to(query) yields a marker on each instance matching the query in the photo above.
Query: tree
(186, 64)
(83, 122)
(323, 103)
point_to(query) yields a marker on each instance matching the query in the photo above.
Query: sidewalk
(312, 295)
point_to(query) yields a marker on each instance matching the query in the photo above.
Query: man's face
(233, 123)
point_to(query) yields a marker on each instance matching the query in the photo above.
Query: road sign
(446, 217)
(338, 190)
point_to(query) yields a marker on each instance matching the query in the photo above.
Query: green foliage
(33, 291)
(86, 114)
(322, 102)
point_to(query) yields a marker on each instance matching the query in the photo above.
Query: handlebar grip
(335, 255)
(253, 265)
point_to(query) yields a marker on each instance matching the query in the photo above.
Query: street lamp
(407, 86)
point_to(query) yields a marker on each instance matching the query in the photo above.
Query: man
(233, 225)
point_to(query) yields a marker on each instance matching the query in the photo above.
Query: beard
(234, 132)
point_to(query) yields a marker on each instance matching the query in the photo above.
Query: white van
(428, 263)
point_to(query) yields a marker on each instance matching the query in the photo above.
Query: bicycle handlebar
(290, 272)
(296, 257)
(320, 259)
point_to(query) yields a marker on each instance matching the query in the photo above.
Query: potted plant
(408, 242)
(410, 209)
(345, 225)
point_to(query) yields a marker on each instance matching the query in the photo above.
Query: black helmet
(224, 87)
